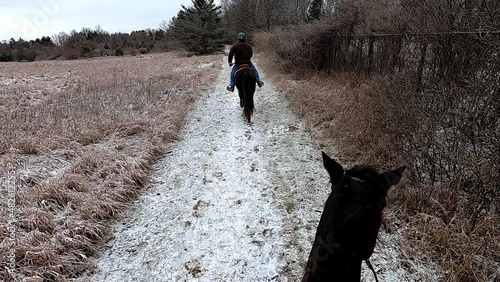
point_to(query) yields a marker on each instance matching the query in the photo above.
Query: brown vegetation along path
(80, 138)
(231, 202)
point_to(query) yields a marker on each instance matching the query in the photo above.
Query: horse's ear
(391, 178)
(335, 170)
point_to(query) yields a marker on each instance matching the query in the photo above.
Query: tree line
(201, 28)
(85, 43)
(204, 27)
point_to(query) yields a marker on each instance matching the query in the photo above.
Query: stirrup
(260, 83)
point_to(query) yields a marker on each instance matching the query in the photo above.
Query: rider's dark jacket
(242, 53)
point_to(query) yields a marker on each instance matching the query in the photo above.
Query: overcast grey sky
(35, 18)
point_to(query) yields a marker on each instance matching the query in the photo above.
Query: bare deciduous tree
(248, 15)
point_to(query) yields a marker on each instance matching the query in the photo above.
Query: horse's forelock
(358, 171)
(366, 174)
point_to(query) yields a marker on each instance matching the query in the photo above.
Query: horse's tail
(248, 92)
(249, 106)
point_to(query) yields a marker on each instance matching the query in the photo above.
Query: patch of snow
(206, 66)
(46, 166)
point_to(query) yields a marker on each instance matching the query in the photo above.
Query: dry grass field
(366, 119)
(80, 137)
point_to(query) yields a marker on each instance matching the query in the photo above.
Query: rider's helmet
(242, 36)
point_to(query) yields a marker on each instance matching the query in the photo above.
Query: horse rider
(242, 53)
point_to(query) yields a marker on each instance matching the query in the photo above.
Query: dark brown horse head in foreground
(350, 222)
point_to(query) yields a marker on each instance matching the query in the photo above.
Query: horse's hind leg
(248, 116)
(241, 99)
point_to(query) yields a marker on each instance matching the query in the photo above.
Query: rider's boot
(260, 83)
(230, 88)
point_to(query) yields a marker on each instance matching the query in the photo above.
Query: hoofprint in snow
(231, 202)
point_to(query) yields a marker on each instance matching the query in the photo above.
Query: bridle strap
(373, 270)
(370, 266)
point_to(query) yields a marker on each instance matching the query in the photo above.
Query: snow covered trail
(231, 202)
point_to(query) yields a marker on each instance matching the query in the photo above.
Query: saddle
(240, 68)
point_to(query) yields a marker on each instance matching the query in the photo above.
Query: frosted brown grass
(367, 119)
(82, 137)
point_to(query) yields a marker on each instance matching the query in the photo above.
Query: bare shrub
(71, 53)
(48, 52)
(119, 52)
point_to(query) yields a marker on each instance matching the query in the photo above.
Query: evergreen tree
(315, 10)
(199, 28)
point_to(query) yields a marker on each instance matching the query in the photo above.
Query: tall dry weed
(82, 147)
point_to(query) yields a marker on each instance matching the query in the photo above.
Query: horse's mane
(358, 169)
